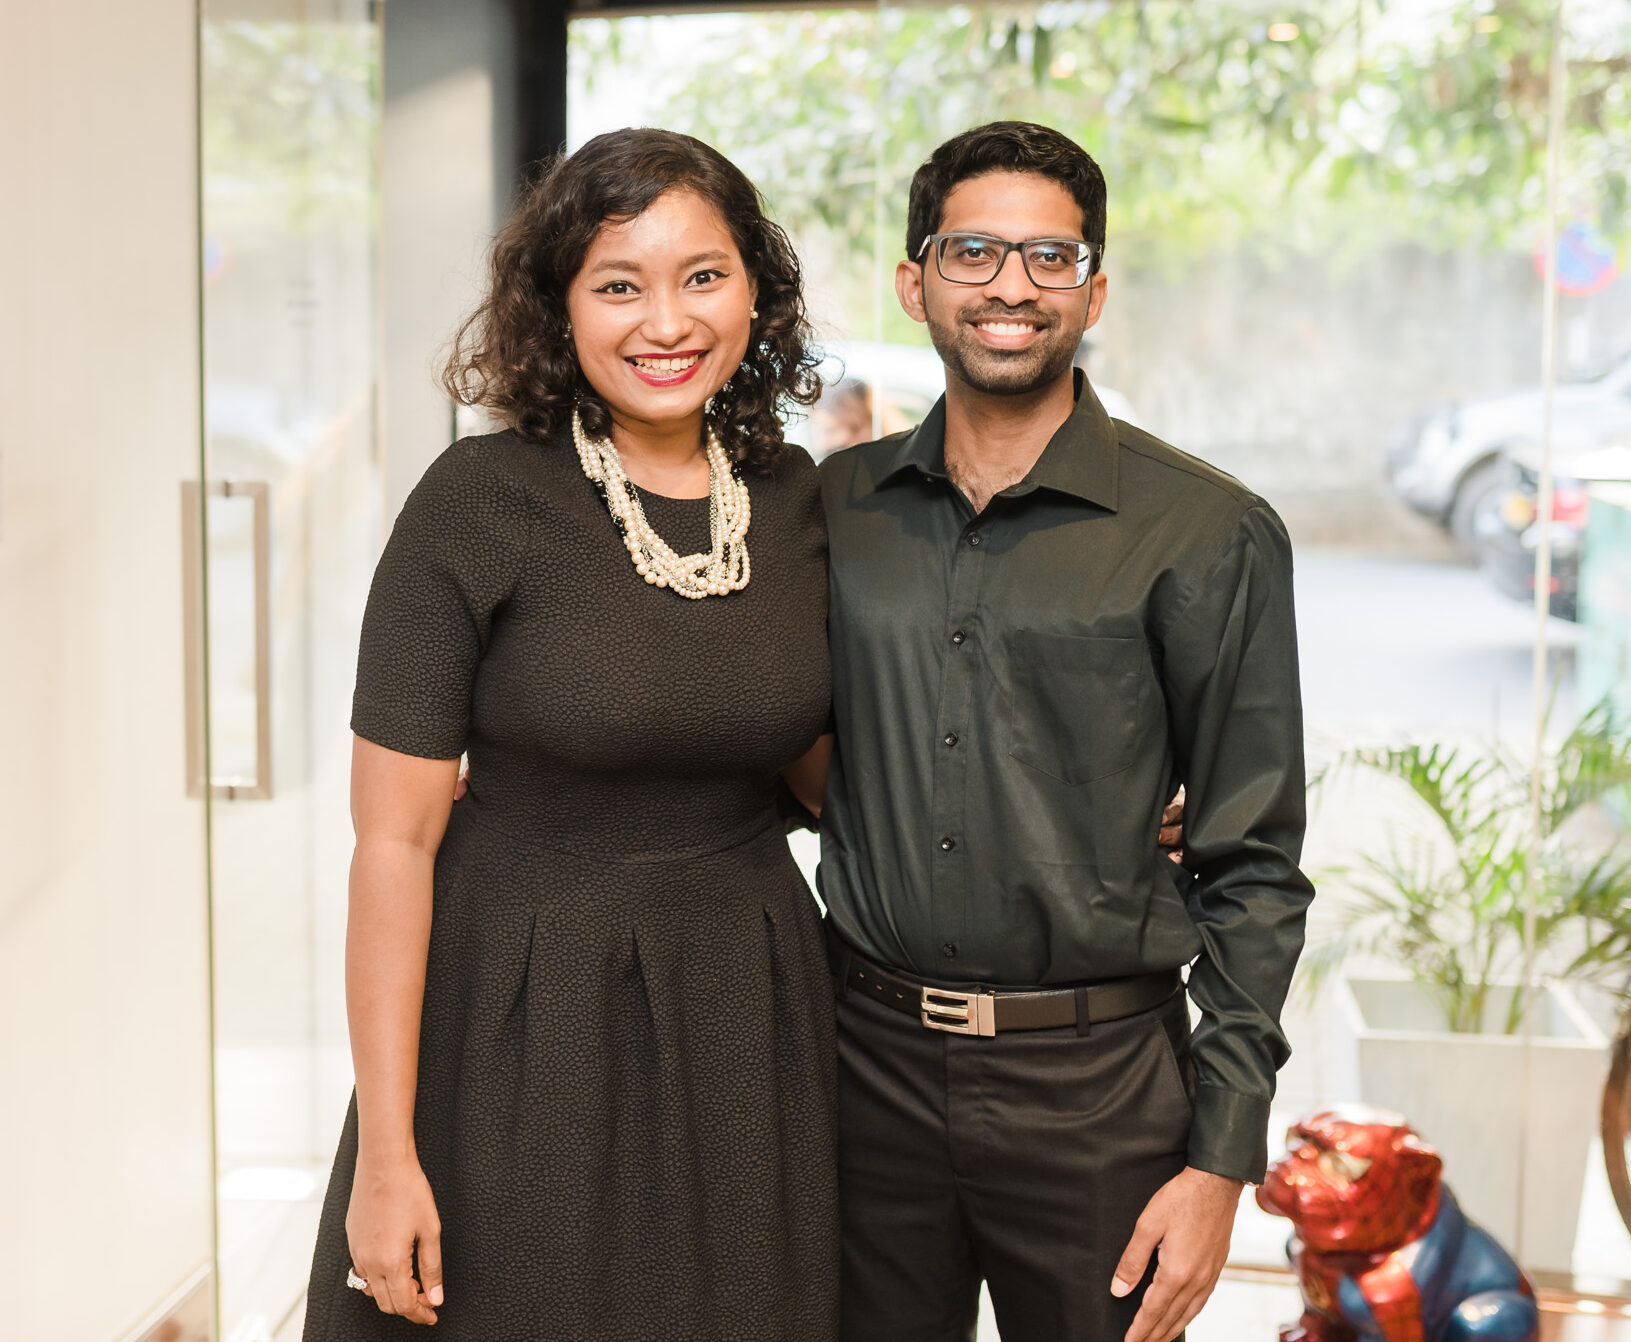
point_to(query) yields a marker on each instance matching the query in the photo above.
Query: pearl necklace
(723, 570)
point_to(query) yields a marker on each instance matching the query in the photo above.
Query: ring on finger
(355, 1281)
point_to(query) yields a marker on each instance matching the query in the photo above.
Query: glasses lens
(1052, 263)
(1058, 263)
(967, 258)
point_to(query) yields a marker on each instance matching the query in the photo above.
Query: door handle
(194, 533)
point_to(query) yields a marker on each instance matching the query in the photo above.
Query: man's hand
(1171, 833)
(1189, 1219)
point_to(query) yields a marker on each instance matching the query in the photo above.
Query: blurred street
(1396, 646)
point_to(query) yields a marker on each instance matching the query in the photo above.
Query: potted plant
(1447, 901)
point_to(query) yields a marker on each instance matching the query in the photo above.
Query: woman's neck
(665, 458)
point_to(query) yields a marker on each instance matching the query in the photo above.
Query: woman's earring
(753, 313)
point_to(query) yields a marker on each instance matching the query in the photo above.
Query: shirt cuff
(1229, 1134)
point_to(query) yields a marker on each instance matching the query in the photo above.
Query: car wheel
(1476, 502)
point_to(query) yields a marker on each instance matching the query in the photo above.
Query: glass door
(290, 103)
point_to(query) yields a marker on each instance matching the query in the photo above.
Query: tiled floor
(1238, 1311)
(1252, 1311)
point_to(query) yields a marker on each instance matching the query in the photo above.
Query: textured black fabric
(1024, 1159)
(625, 1104)
(1017, 695)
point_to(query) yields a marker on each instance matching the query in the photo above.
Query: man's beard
(1000, 372)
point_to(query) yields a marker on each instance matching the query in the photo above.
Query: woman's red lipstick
(661, 377)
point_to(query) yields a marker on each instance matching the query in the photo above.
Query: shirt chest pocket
(1077, 710)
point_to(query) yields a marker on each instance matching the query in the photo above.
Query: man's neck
(993, 441)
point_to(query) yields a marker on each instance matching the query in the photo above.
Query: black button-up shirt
(1018, 692)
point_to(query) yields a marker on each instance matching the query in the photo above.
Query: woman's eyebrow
(716, 254)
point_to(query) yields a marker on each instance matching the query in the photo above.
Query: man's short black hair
(1004, 146)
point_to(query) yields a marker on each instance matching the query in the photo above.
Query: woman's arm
(399, 809)
(806, 777)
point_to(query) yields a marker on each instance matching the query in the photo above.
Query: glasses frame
(1095, 257)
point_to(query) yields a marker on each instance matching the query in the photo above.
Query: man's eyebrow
(1029, 237)
(714, 254)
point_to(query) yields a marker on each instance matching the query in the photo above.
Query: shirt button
(958, 637)
(949, 950)
(947, 844)
(950, 738)
(975, 540)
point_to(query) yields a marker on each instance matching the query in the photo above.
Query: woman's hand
(1171, 835)
(392, 1214)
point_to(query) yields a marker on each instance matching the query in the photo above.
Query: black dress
(625, 1103)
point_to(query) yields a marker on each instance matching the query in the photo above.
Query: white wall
(105, 1207)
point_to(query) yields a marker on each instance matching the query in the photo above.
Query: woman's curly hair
(514, 354)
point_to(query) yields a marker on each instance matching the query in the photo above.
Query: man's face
(1008, 336)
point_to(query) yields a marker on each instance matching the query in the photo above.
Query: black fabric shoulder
(796, 473)
(795, 465)
(453, 558)
(1202, 473)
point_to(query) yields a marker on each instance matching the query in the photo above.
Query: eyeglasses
(974, 258)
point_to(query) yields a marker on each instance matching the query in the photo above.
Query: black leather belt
(987, 1013)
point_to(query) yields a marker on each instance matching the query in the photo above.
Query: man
(1042, 622)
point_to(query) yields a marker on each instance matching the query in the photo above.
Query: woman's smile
(666, 370)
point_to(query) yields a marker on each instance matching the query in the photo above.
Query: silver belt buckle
(959, 1013)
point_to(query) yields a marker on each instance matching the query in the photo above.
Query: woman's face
(660, 311)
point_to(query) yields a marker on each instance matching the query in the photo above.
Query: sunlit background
(1326, 255)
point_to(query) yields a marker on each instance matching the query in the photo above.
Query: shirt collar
(1081, 459)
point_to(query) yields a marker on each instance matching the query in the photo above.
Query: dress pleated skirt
(625, 1102)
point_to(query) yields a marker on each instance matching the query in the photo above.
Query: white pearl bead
(691, 576)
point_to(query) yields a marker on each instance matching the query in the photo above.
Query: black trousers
(1023, 1159)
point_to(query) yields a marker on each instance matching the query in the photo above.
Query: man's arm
(1234, 704)
(1235, 708)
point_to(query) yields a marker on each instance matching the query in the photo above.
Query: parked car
(897, 383)
(1510, 536)
(1447, 462)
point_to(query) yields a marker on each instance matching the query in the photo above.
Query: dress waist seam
(512, 834)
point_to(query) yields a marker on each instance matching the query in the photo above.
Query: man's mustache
(1023, 313)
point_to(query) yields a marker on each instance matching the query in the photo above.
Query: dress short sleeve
(454, 557)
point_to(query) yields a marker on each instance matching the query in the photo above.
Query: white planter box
(1464, 1093)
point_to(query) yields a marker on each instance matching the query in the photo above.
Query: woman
(590, 1010)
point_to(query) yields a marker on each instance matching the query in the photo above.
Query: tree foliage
(290, 123)
(1210, 120)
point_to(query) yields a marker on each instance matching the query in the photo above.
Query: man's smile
(1006, 332)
